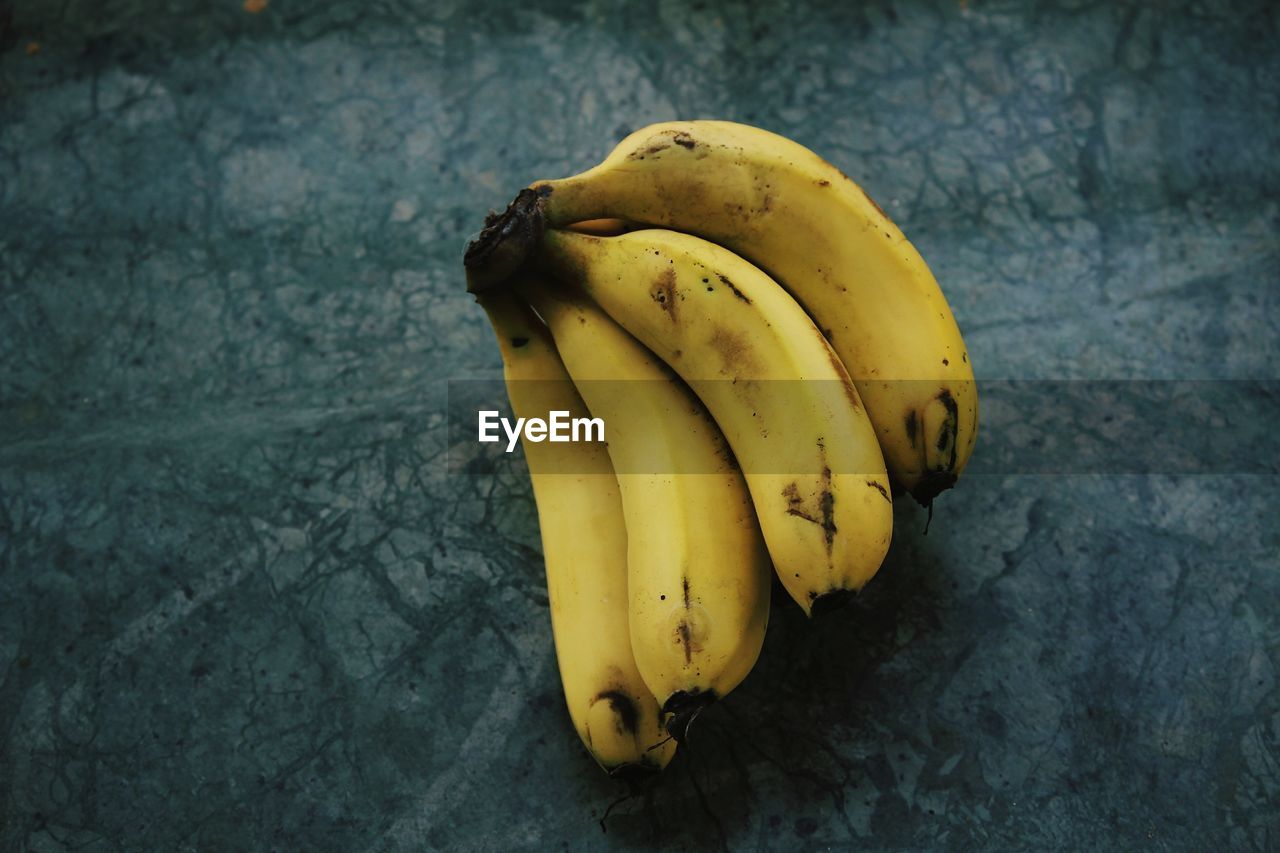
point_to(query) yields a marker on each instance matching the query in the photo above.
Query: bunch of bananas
(773, 361)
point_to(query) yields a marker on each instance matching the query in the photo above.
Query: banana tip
(684, 707)
(931, 485)
(830, 602)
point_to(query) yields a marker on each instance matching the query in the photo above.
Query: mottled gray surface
(244, 606)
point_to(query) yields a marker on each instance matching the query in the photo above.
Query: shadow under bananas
(806, 729)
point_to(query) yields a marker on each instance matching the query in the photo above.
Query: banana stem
(505, 243)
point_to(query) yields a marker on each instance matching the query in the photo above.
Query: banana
(601, 227)
(698, 572)
(808, 452)
(584, 542)
(821, 236)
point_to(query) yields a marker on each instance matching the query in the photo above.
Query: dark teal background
(245, 606)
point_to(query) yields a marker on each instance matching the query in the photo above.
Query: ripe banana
(698, 572)
(584, 542)
(821, 236)
(805, 445)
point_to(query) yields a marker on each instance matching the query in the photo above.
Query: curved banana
(698, 572)
(805, 445)
(584, 542)
(821, 236)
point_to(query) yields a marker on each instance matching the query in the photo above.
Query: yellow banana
(584, 543)
(698, 572)
(805, 445)
(821, 236)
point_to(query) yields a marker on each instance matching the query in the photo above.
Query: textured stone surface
(243, 605)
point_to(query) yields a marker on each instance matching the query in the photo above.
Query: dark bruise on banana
(685, 629)
(625, 713)
(664, 293)
(724, 279)
(942, 446)
(668, 139)
(823, 512)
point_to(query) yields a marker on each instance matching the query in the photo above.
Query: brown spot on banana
(792, 494)
(624, 710)
(823, 515)
(828, 503)
(735, 352)
(690, 628)
(795, 504)
(684, 140)
(641, 153)
(686, 642)
(724, 279)
(664, 293)
(678, 137)
(950, 426)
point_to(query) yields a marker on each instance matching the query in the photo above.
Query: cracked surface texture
(244, 605)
